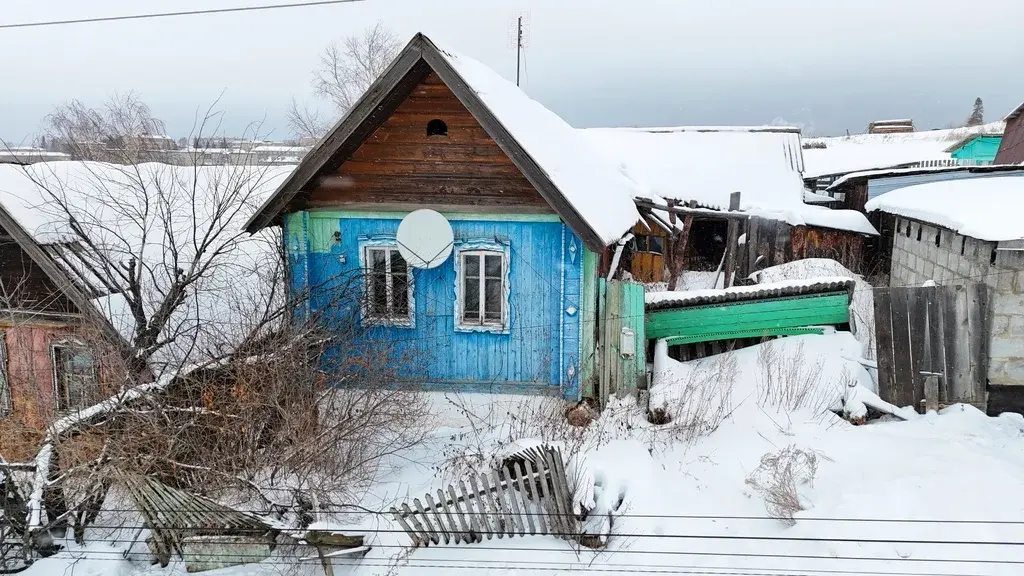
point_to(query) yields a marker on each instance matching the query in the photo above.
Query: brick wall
(934, 253)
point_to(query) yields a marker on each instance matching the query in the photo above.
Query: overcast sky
(825, 65)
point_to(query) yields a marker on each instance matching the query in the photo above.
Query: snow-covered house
(59, 300)
(830, 158)
(529, 208)
(705, 165)
(966, 231)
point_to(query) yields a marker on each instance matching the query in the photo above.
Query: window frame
(61, 401)
(480, 249)
(368, 317)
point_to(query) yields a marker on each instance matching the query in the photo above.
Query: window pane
(656, 244)
(492, 266)
(376, 282)
(400, 294)
(472, 265)
(398, 265)
(492, 301)
(471, 294)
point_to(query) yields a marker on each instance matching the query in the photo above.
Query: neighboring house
(704, 165)
(964, 231)
(1011, 148)
(829, 158)
(47, 323)
(26, 155)
(891, 126)
(977, 149)
(56, 302)
(854, 190)
(533, 208)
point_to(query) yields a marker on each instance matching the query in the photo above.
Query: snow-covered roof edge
(599, 221)
(57, 274)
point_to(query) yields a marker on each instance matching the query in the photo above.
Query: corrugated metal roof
(668, 300)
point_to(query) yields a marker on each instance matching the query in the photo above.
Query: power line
(179, 13)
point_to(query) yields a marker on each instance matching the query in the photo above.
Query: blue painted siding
(880, 186)
(540, 352)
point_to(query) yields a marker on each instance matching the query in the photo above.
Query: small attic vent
(437, 128)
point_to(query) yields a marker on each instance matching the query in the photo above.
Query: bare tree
(123, 130)
(219, 389)
(346, 70)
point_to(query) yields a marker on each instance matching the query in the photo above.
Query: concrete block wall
(933, 253)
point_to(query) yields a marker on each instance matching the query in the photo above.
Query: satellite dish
(425, 239)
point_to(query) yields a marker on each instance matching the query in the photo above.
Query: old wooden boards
(526, 496)
(932, 330)
(623, 361)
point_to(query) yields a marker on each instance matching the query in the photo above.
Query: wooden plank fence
(932, 331)
(528, 495)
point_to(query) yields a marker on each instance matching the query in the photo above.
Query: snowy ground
(939, 494)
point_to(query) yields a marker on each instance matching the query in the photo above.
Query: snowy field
(938, 494)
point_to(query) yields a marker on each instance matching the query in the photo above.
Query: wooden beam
(732, 241)
(697, 213)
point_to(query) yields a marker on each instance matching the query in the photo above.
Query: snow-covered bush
(778, 478)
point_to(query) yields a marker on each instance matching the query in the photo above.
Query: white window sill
(486, 328)
(374, 322)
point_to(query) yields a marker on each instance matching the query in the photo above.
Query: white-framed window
(74, 376)
(389, 286)
(483, 289)
(6, 402)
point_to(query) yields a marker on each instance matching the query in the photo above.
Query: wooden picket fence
(529, 495)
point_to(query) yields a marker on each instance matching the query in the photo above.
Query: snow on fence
(528, 495)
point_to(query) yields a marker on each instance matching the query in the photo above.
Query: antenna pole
(519, 46)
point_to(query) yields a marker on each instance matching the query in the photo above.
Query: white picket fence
(527, 496)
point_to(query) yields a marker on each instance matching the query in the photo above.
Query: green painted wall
(982, 149)
(730, 320)
(588, 308)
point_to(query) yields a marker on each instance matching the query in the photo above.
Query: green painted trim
(588, 325)
(322, 233)
(743, 334)
(318, 214)
(294, 232)
(758, 316)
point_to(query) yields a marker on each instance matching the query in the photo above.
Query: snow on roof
(871, 174)
(844, 154)
(691, 163)
(661, 300)
(601, 195)
(112, 194)
(983, 208)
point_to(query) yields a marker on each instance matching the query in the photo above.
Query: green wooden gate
(623, 362)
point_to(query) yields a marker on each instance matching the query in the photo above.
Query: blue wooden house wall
(541, 350)
(982, 150)
(879, 186)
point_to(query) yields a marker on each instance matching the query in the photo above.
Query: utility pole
(519, 38)
(519, 45)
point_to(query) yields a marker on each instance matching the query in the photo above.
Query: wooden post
(731, 241)
(931, 392)
(679, 249)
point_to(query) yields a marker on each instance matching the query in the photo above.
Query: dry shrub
(700, 402)
(273, 423)
(778, 477)
(788, 381)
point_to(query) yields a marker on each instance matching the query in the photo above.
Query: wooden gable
(401, 166)
(24, 285)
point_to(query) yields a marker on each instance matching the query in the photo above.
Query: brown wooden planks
(917, 308)
(903, 375)
(977, 309)
(884, 352)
